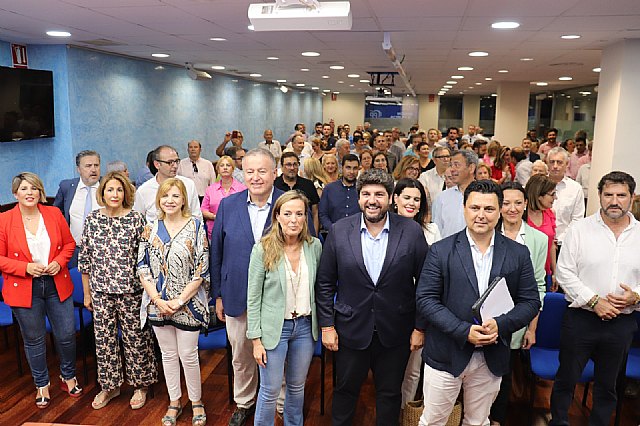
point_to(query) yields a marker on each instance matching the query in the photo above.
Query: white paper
(498, 302)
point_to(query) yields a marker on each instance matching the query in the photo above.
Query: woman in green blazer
(513, 226)
(281, 312)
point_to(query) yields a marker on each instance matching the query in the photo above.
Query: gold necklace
(294, 286)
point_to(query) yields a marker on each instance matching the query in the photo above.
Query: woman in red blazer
(35, 246)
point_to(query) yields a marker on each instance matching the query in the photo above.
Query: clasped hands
(38, 269)
(168, 307)
(610, 307)
(485, 334)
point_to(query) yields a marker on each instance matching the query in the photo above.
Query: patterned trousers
(109, 311)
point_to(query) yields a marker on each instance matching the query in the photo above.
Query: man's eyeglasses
(290, 165)
(441, 156)
(170, 162)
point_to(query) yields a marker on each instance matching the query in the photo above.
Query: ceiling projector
(299, 16)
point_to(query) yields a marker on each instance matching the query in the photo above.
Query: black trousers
(352, 367)
(584, 335)
(499, 407)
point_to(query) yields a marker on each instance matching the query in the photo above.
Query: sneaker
(240, 416)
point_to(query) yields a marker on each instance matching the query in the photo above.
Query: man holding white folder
(460, 351)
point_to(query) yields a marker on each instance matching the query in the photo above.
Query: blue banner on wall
(383, 111)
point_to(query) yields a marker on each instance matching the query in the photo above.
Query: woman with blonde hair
(315, 173)
(113, 294)
(330, 166)
(483, 172)
(222, 188)
(503, 169)
(281, 312)
(408, 167)
(316, 145)
(173, 267)
(35, 247)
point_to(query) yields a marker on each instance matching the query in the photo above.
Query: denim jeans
(296, 347)
(45, 301)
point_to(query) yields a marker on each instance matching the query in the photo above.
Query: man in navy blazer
(369, 265)
(459, 351)
(72, 203)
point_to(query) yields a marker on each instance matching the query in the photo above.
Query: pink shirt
(545, 148)
(548, 227)
(212, 197)
(575, 163)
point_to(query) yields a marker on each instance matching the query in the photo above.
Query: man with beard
(369, 319)
(552, 142)
(602, 290)
(339, 198)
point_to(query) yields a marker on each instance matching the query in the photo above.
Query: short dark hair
(416, 136)
(518, 154)
(149, 162)
(553, 129)
(515, 186)
(288, 154)
(452, 128)
(581, 139)
(318, 123)
(484, 187)
(350, 157)
(375, 177)
(232, 151)
(478, 143)
(86, 153)
(298, 125)
(420, 145)
(617, 177)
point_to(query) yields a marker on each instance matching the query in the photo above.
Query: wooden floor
(17, 399)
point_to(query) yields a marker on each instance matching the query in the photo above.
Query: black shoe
(240, 416)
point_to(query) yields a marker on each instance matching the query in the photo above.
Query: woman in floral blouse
(173, 266)
(107, 260)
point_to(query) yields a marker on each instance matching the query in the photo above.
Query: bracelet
(327, 329)
(594, 301)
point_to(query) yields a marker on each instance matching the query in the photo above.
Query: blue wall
(123, 108)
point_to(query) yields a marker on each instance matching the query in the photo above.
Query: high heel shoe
(41, 400)
(75, 391)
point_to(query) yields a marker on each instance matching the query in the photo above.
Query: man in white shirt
(523, 165)
(433, 179)
(297, 146)
(470, 137)
(271, 145)
(166, 160)
(196, 168)
(451, 140)
(569, 204)
(76, 197)
(306, 149)
(448, 212)
(598, 272)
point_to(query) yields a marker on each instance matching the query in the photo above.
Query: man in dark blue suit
(459, 351)
(369, 266)
(76, 197)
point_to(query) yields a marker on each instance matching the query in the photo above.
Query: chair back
(78, 290)
(1, 282)
(550, 321)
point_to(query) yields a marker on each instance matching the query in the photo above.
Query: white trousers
(411, 377)
(245, 368)
(441, 390)
(179, 346)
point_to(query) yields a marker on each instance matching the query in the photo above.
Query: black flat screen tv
(26, 104)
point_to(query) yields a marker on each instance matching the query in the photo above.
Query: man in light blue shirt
(448, 212)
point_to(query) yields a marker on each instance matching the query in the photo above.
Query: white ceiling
(435, 36)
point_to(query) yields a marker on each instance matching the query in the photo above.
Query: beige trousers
(245, 368)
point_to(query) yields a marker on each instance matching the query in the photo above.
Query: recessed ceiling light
(281, 81)
(585, 93)
(440, 93)
(255, 75)
(353, 75)
(526, 59)
(478, 84)
(218, 39)
(478, 54)
(325, 76)
(160, 55)
(310, 54)
(315, 88)
(351, 85)
(364, 81)
(503, 71)
(457, 77)
(494, 94)
(250, 28)
(452, 82)
(542, 83)
(58, 34)
(465, 68)
(326, 90)
(272, 58)
(505, 25)
(340, 82)
(336, 67)
(300, 84)
(570, 36)
(568, 97)
(336, 93)
(565, 78)
(488, 79)
(217, 67)
(597, 69)
(304, 69)
(447, 87)
(159, 67)
(444, 89)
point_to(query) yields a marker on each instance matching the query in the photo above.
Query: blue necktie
(87, 204)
